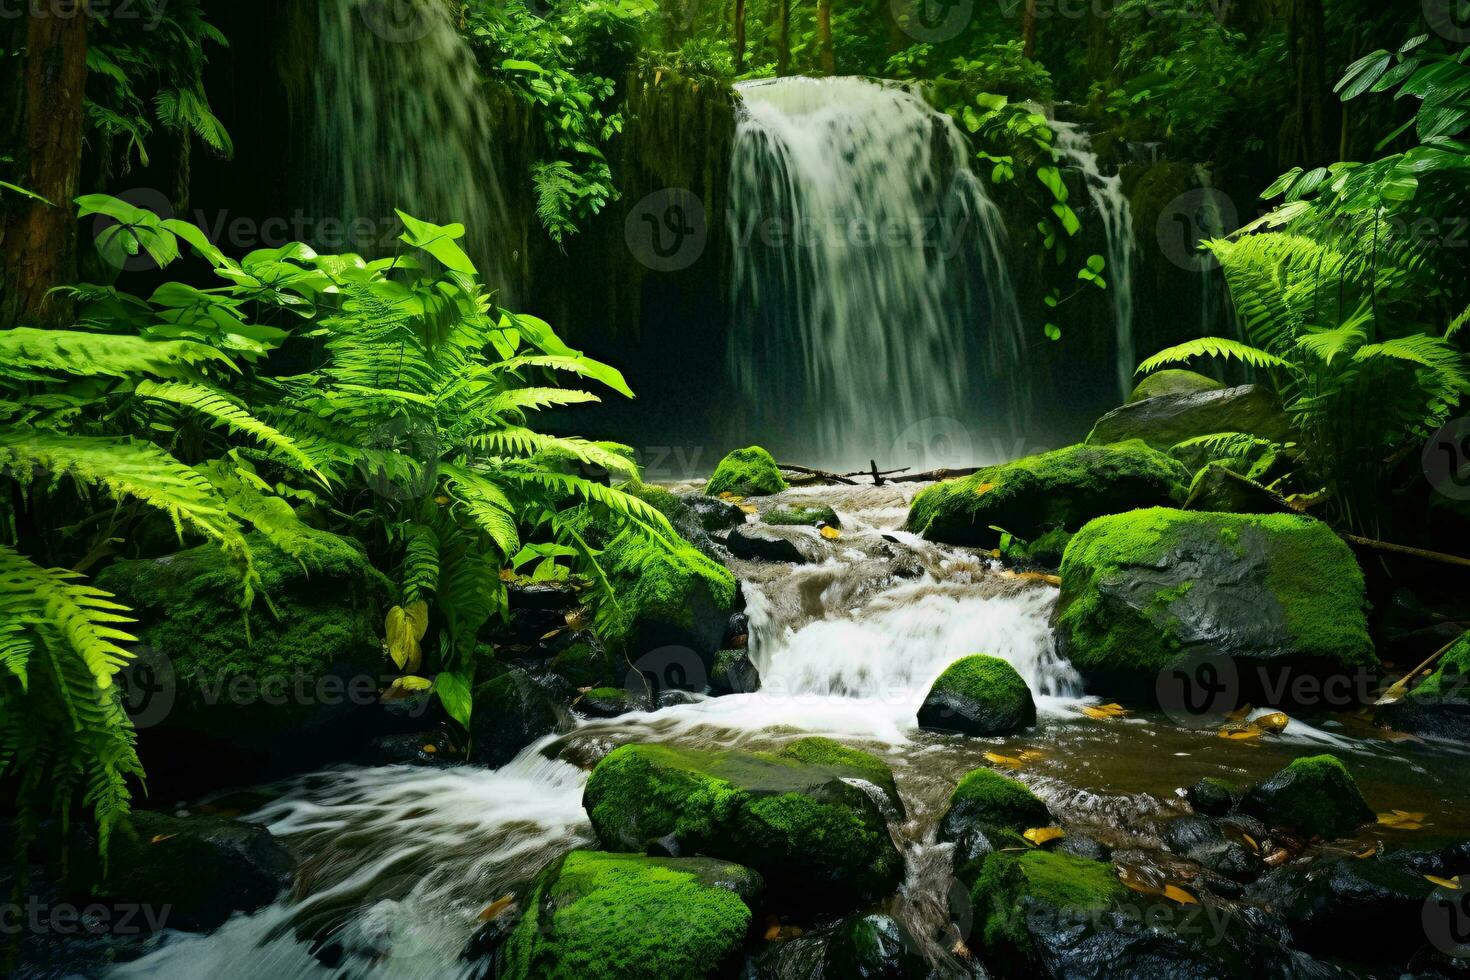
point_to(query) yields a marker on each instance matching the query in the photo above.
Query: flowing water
(1116, 214)
(870, 292)
(396, 862)
(401, 121)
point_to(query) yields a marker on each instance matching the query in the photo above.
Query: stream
(397, 862)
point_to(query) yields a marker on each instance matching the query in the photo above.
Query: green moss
(654, 583)
(1449, 679)
(842, 760)
(613, 916)
(979, 695)
(1172, 382)
(583, 665)
(1059, 490)
(995, 801)
(1008, 883)
(1310, 602)
(749, 472)
(1313, 795)
(1049, 548)
(797, 823)
(808, 516)
(611, 693)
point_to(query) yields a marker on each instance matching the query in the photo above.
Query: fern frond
(28, 354)
(1212, 347)
(485, 504)
(420, 562)
(229, 412)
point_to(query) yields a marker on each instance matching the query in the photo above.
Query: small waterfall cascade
(1113, 209)
(871, 301)
(400, 120)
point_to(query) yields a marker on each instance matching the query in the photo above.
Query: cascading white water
(1116, 214)
(869, 285)
(400, 120)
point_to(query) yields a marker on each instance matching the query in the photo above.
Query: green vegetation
(987, 797)
(1314, 795)
(1007, 884)
(979, 695)
(749, 472)
(808, 516)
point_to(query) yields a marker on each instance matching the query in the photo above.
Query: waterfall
(872, 309)
(400, 120)
(1113, 209)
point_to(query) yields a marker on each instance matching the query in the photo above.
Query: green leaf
(453, 688)
(439, 241)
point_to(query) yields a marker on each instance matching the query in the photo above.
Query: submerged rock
(1211, 797)
(749, 472)
(793, 816)
(734, 673)
(1060, 490)
(869, 947)
(1314, 795)
(627, 916)
(1206, 842)
(979, 695)
(1173, 381)
(1145, 590)
(1167, 420)
(987, 808)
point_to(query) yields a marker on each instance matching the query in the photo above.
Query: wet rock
(1314, 795)
(1222, 490)
(585, 664)
(1439, 707)
(610, 702)
(870, 947)
(1082, 846)
(713, 514)
(510, 712)
(757, 543)
(1173, 381)
(749, 472)
(1167, 420)
(987, 811)
(1062, 490)
(1207, 843)
(819, 841)
(1144, 591)
(803, 516)
(734, 673)
(197, 870)
(978, 695)
(1211, 797)
(535, 610)
(627, 917)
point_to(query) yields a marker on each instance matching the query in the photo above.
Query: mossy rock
(1212, 796)
(1439, 707)
(734, 673)
(610, 702)
(749, 472)
(979, 695)
(987, 809)
(1220, 489)
(818, 840)
(1314, 795)
(626, 917)
(1173, 381)
(1145, 590)
(1165, 421)
(865, 947)
(807, 516)
(584, 664)
(1048, 549)
(510, 712)
(1059, 490)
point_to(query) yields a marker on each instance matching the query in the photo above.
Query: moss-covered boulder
(987, 809)
(1439, 707)
(1029, 497)
(806, 516)
(819, 840)
(1143, 591)
(1167, 420)
(749, 472)
(610, 702)
(978, 695)
(1173, 381)
(626, 917)
(1315, 795)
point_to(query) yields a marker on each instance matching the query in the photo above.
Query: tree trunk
(1028, 30)
(783, 43)
(739, 36)
(1311, 123)
(39, 245)
(824, 37)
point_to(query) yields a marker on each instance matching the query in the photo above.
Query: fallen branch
(1402, 549)
(817, 474)
(935, 475)
(1397, 692)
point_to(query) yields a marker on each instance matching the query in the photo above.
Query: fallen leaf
(1240, 734)
(496, 907)
(160, 838)
(430, 749)
(1277, 857)
(1251, 843)
(1366, 854)
(1043, 835)
(1402, 820)
(1273, 723)
(1443, 882)
(1031, 755)
(1104, 712)
(554, 632)
(984, 488)
(1003, 760)
(1135, 880)
(831, 533)
(578, 620)
(731, 498)
(749, 509)
(1176, 894)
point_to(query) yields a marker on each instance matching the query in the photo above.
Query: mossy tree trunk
(828, 58)
(39, 245)
(739, 36)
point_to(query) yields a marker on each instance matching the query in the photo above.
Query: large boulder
(987, 809)
(1314, 796)
(749, 472)
(978, 695)
(220, 694)
(1146, 590)
(626, 916)
(510, 712)
(819, 839)
(757, 542)
(1439, 707)
(1063, 489)
(1165, 421)
(1173, 381)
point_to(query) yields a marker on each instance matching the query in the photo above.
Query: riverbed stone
(1314, 795)
(1207, 842)
(734, 673)
(1173, 381)
(988, 810)
(1211, 797)
(803, 516)
(1145, 590)
(1167, 420)
(819, 840)
(979, 695)
(749, 472)
(629, 916)
(1059, 490)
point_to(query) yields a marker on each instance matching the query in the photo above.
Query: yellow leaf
(1043, 835)
(1402, 820)
(1443, 882)
(554, 632)
(1105, 711)
(1366, 854)
(1240, 735)
(731, 498)
(160, 838)
(1003, 760)
(984, 488)
(831, 533)
(430, 749)
(496, 907)
(749, 509)
(1176, 894)
(1274, 722)
(1031, 755)
(1251, 843)
(1134, 880)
